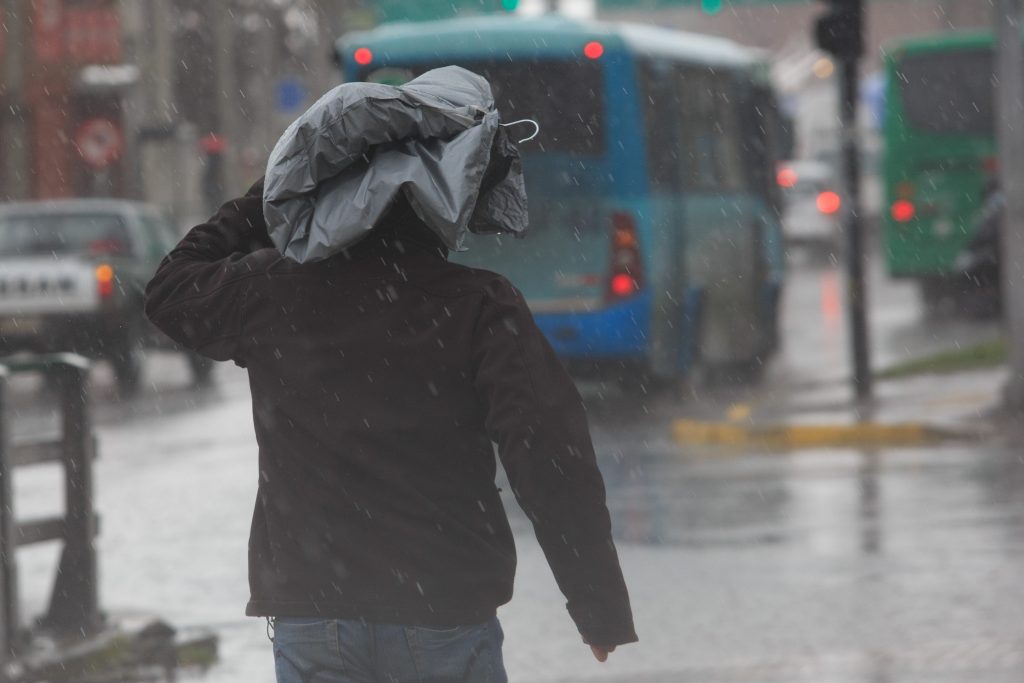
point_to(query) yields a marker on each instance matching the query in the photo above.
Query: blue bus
(654, 242)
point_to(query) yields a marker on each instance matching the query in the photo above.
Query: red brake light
(902, 210)
(623, 285)
(626, 267)
(363, 56)
(593, 50)
(829, 202)
(786, 177)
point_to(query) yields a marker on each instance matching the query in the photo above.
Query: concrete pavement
(853, 564)
(823, 565)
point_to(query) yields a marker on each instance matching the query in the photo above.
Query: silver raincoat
(437, 139)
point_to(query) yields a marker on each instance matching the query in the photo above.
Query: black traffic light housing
(840, 30)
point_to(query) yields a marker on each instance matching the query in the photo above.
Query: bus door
(721, 213)
(676, 306)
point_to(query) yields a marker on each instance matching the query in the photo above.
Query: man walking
(381, 377)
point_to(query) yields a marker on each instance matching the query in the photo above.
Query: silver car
(811, 203)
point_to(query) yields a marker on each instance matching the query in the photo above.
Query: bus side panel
(709, 216)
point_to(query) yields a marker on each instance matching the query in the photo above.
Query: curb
(792, 437)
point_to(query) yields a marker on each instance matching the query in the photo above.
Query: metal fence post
(9, 618)
(74, 606)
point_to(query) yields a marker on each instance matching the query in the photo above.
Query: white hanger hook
(536, 128)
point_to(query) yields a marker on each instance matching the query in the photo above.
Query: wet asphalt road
(827, 566)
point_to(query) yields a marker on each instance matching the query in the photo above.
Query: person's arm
(536, 416)
(197, 296)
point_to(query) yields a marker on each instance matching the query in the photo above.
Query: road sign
(290, 94)
(100, 142)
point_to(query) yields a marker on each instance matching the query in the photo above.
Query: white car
(811, 203)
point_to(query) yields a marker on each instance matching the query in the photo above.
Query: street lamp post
(840, 32)
(1010, 138)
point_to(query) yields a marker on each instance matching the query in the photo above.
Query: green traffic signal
(711, 6)
(509, 5)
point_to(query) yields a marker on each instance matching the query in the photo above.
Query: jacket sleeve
(536, 417)
(197, 296)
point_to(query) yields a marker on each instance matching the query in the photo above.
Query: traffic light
(509, 5)
(840, 30)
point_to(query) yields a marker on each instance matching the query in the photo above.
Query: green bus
(939, 130)
(654, 238)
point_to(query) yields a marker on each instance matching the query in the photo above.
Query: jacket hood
(436, 140)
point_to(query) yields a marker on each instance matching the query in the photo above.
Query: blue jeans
(347, 651)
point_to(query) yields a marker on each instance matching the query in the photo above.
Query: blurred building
(172, 101)
(61, 123)
(180, 101)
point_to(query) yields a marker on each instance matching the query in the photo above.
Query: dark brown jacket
(380, 378)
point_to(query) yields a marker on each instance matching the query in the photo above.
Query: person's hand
(601, 652)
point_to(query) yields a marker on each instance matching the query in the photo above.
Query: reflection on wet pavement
(814, 324)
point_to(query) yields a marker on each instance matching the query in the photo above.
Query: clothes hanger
(536, 127)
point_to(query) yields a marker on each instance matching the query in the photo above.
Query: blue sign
(291, 95)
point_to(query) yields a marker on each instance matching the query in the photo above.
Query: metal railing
(73, 607)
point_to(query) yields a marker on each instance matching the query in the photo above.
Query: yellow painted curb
(693, 432)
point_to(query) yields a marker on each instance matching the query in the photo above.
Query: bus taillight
(626, 276)
(363, 56)
(902, 210)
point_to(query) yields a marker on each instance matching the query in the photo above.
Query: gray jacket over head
(437, 139)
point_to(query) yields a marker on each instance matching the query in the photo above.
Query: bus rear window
(565, 97)
(949, 92)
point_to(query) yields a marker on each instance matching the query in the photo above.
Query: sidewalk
(909, 411)
(806, 399)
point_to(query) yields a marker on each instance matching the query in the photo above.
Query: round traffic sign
(100, 142)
